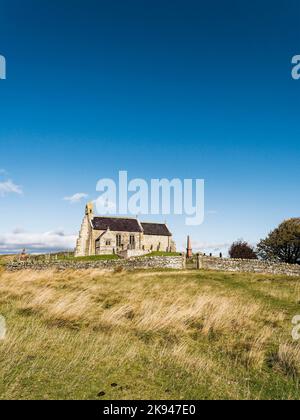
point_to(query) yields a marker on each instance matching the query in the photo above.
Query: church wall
(83, 244)
(125, 241)
(152, 242)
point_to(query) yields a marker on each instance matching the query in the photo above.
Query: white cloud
(36, 242)
(76, 198)
(9, 187)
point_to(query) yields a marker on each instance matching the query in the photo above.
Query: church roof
(156, 229)
(118, 224)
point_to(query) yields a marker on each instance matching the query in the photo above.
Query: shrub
(242, 250)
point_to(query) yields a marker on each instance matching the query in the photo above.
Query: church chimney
(189, 251)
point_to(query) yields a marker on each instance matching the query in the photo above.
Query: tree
(283, 243)
(242, 250)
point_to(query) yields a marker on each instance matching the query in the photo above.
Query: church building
(101, 235)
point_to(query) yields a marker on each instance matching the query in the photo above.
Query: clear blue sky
(189, 89)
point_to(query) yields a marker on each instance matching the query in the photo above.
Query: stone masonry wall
(175, 262)
(156, 243)
(125, 239)
(248, 266)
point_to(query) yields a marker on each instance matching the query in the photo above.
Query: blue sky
(188, 89)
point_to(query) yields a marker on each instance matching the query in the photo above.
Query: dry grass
(287, 360)
(161, 334)
(102, 304)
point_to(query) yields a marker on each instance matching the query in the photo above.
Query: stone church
(119, 235)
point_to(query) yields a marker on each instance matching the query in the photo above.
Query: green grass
(162, 254)
(92, 258)
(156, 334)
(5, 258)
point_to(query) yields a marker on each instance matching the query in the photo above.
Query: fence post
(184, 261)
(199, 262)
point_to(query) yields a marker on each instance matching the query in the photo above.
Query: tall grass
(156, 334)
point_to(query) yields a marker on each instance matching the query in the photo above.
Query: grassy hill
(145, 335)
(4, 259)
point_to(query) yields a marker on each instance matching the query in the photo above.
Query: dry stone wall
(169, 262)
(248, 266)
(174, 262)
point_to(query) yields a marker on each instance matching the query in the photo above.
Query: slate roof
(120, 224)
(156, 229)
(116, 224)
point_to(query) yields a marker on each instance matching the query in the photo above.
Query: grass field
(163, 254)
(4, 259)
(148, 335)
(91, 258)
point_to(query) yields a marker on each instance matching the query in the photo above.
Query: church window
(119, 240)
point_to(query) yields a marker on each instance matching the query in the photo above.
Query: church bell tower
(89, 210)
